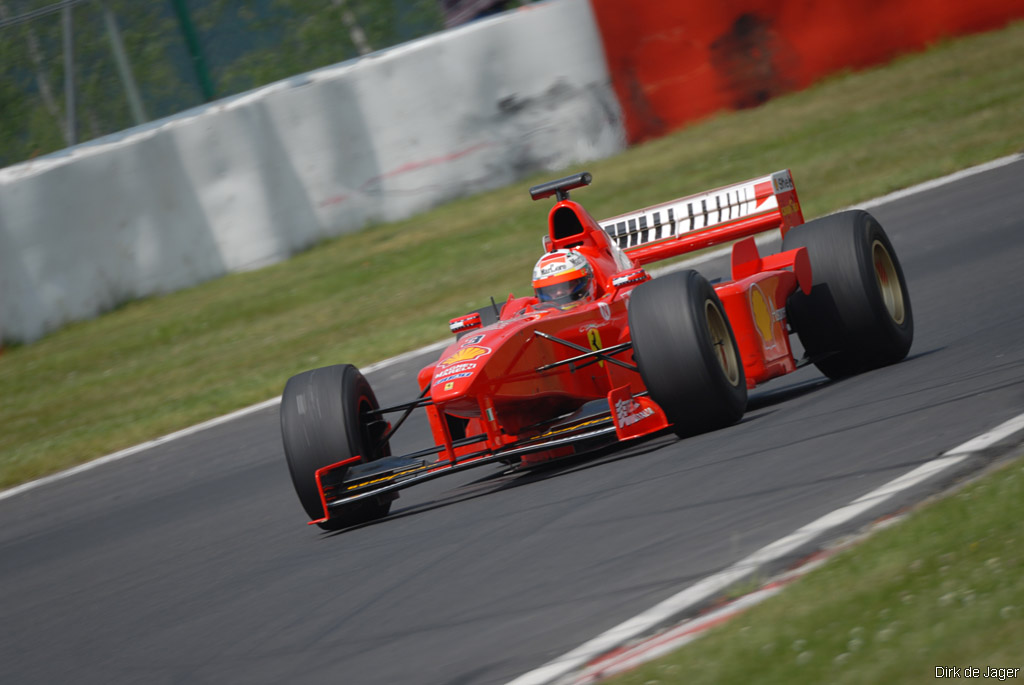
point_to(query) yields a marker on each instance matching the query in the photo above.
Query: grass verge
(164, 363)
(944, 588)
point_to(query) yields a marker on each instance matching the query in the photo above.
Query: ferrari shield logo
(594, 336)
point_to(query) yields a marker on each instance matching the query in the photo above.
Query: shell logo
(466, 354)
(764, 319)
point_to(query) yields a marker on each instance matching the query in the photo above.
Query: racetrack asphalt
(194, 563)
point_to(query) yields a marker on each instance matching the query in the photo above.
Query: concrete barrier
(250, 180)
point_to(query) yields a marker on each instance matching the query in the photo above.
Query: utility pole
(355, 31)
(69, 75)
(131, 89)
(188, 30)
(35, 54)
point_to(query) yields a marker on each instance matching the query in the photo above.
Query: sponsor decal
(466, 354)
(451, 370)
(384, 479)
(566, 429)
(606, 311)
(783, 183)
(473, 340)
(450, 385)
(628, 412)
(791, 208)
(554, 263)
(764, 315)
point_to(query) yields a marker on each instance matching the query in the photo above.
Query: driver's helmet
(563, 278)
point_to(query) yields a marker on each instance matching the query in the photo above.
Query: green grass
(161, 364)
(943, 588)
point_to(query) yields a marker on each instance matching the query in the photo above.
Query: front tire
(687, 353)
(325, 419)
(858, 315)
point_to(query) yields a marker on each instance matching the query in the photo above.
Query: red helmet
(562, 278)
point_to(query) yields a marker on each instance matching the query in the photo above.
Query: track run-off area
(188, 559)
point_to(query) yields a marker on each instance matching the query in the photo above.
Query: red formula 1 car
(602, 352)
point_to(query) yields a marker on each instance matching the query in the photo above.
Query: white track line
(671, 640)
(676, 605)
(637, 654)
(116, 456)
(199, 427)
(939, 182)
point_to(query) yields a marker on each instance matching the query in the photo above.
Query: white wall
(249, 180)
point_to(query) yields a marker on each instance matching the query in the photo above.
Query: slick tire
(858, 315)
(323, 421)
(687, 353)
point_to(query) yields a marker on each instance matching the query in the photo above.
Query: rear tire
(323, 421)
(687, 353)
(858, 315)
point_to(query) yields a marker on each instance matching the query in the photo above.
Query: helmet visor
(565, 292)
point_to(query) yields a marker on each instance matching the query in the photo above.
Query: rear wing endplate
(699, 221)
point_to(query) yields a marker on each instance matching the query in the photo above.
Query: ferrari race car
(602, 352)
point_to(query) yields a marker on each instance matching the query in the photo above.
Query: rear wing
(699, 221)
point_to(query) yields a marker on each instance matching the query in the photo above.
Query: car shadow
(514, 477)
(518, 476)
(769, 398)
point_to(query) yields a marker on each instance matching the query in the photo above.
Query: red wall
(673, 61)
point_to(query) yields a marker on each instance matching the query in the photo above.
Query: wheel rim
(888, 282)
(725, 351)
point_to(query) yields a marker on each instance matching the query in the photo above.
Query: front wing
(627, 416)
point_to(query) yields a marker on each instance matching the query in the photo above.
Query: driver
(563, 278)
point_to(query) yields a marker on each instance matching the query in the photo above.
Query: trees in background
(244, 44)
